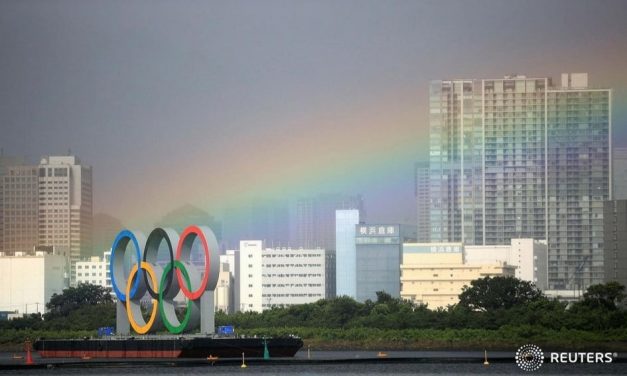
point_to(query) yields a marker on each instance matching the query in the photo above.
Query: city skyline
(266, 100)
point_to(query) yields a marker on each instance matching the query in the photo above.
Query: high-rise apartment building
(422, 200)
(315, 219)
(345, 252)
(521, 157)
(615, 241)
(619, 174)
(65, 207)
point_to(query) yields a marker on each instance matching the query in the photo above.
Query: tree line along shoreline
(496, 313)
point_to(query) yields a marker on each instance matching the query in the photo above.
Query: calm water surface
(440, 366)
(348, 369)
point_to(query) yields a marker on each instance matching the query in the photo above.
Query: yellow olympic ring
(141, 329)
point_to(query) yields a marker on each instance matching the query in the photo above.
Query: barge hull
(195, 347)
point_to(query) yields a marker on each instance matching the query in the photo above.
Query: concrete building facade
(94, 271)
(528, 256)
(223, 294)
(435, 273)
(296, 276)
(29, 279)
(249, 275)
(279, 277)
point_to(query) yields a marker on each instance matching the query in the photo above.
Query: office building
(435, 273)
(94, 270)
(248, 273)
(345, 252)
(315, 219)
(20, 211)
(619, 173)
(615, 241)
(296, 276)
(29, 279)
(520, 157)
(422, 201)
(65, 207)
(280, 277)
(5, 163)
(379, 249)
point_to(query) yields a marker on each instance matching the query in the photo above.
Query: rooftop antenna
(69, 152)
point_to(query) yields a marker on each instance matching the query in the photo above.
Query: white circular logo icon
(529, 357)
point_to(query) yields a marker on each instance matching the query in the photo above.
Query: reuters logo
(529, 357)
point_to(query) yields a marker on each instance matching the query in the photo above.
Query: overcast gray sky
(212, 102)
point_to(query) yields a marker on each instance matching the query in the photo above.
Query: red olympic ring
(184, 249)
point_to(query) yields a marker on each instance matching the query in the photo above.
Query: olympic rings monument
(163, 284)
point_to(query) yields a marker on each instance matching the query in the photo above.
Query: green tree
(76, 297)
(605, 295)
(494, 293)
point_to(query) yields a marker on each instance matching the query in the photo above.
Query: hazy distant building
(345, 252)
(66, 207)
(105, 229)
(186, 215)
(521, 157)
(5, 163)
(20, 212)
(379, 249)
(435, 273)
(615, 240)
(268, 220)
(422, 201)
(315, 219)
(619, 173)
